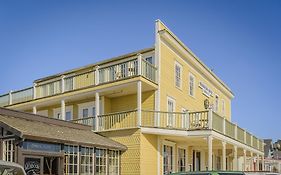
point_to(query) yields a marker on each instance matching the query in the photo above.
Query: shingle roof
(30, 126)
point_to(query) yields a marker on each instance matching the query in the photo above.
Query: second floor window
(223, 107)
(178, 74)
(217, 103)
(191, 85)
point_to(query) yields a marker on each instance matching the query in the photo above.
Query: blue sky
(239, 39)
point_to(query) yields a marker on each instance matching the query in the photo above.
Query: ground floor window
(71, 160)
(9, 150)
(101, 161)
(113, 162)
(168, 159)
(86, 162)
(181, 160)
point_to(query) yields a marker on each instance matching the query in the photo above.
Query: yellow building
(170, 110)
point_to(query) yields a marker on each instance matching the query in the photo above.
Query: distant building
(272, 154)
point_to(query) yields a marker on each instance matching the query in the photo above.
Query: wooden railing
(105, 74)
(173, 120)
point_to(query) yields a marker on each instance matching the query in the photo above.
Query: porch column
(139, 100)
(210, 151)
(34, 110)
(97, 75)
(62, 110)
(235, 160)
(34, 91)
(62, 84)
(224, 156)
(97, 104)
(244, 157)
(251, 162)
(258, 163)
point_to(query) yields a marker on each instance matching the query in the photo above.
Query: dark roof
(95, 64)
(31, 126)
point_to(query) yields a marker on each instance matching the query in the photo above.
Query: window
(86, 166)
(113, 162)
(217, 103)
(70, 160)
(171, 109)
(181, 160)
(68, 113)
(68, 116)
(223, 107)
(168, 159)
(101, 162)
(191, 85)
(178, 74)
(9, 150)
(85, 113)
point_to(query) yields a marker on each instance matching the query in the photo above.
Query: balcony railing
(123, 70)
(190, 121)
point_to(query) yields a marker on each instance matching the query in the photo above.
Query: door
(171, 109)
(167, 159)
(196, 161)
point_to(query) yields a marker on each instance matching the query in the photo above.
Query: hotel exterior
(165, 105)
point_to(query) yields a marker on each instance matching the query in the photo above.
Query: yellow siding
(181, 95)
(84, 80)
(130, 159)
(148, 160)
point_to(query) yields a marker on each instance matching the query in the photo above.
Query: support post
(187, 119)
(139, 100)
(62, 110)
(210, 118)
(235, 161)
(223, 125)
(235, 131)
(62, 84)
(223, 156)
(251, 162)
(139, 64)
(97, 104)
(210, 152)
(262, 162)
(34, 90)
(258, 163)
(10, 97)
(34, 110)
(244, 159)
(97, 75)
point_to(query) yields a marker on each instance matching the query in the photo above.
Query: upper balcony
(101, 74)
(176, 121)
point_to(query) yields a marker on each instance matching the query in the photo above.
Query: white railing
(149, 70)
(48, 89)
(118, 71)
(22, 95)
(4, 100)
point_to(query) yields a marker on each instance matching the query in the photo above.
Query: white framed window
(191, 85)
(223, 107)
(178, 75)
(149, 59)
(113, 162)
(86, 161)
(68, 113)
(184, 117)
(171, 106)
(101, 161)
(216, 103)
(168, 157)
(182, 160)
(9, 150)
(71, 158)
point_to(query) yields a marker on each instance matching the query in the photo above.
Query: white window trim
(56, 111)
(174, 109)
(178, 64)
(89, 106)
(194, 82)
(186, 159)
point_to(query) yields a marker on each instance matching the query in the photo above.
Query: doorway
(196, 161)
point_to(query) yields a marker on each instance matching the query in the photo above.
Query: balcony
(107, 73)
(191, 121)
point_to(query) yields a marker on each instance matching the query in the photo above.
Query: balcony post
(187, 119)
(139, 100)
(235, 131)
(34, 90)
(244, 159)
(97, 75)
(139, 64)
(262, 162)
(97, 104)
(258, 163)
(223, 155)
(210, 152)
(245, 136)
(235, 161)
(251, 162)
(210, 118)
(223, 125)
(34, 109)
(62, 109)
(10, 97)
(251, 140)
(62, 84)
